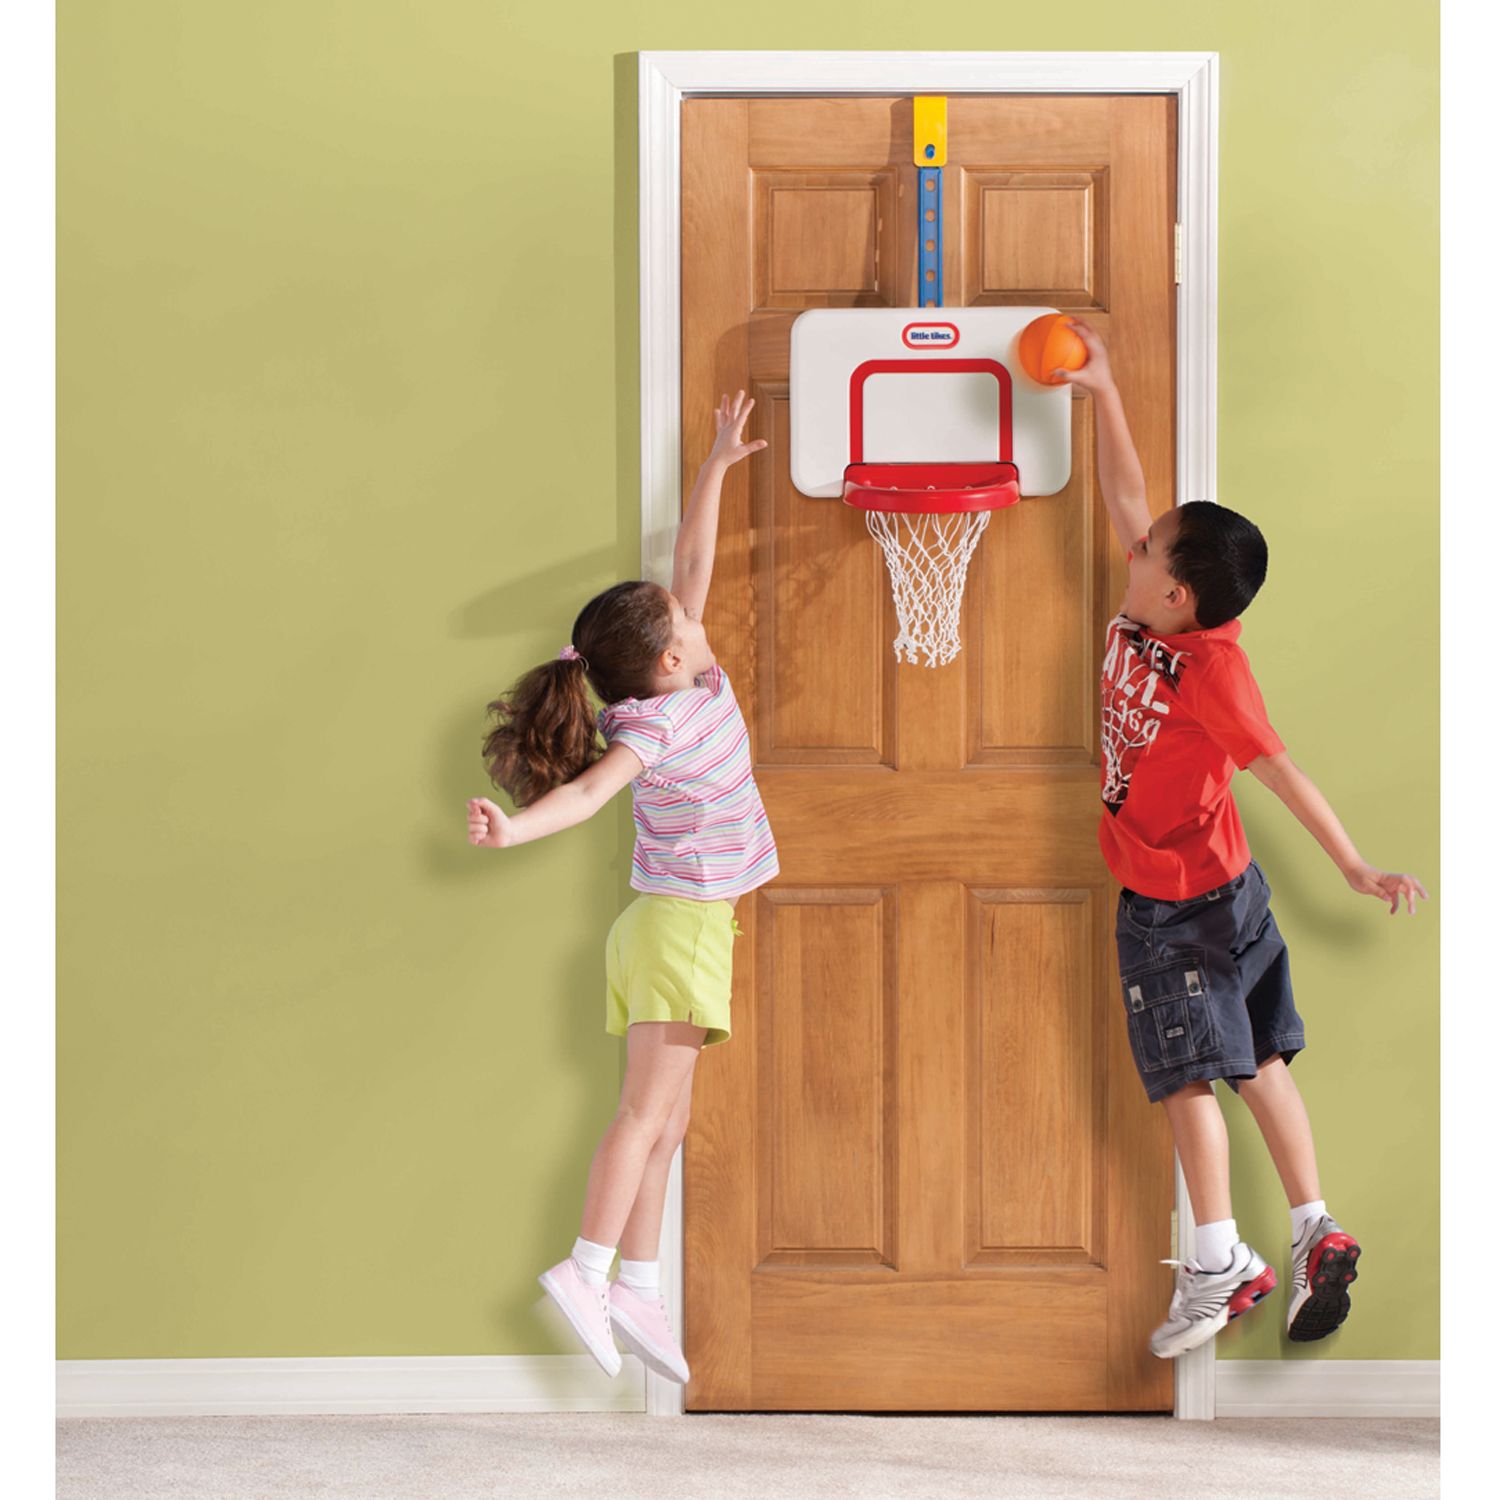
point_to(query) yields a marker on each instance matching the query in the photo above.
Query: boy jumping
(1203, 969)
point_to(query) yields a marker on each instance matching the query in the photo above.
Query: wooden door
(924, 1176)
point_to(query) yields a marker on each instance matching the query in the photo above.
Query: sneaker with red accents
(1323, 1261)
(1206, 1301)
(586, 1307)
(642, 1325)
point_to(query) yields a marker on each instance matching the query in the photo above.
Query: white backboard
(921, 411)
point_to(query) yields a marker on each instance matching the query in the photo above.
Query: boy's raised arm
(1121, 479)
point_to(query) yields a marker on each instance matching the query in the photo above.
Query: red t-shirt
(1180, 714)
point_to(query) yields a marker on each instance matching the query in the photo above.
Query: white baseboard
(1326, 1387)
(249, 1387)
(545, 1383)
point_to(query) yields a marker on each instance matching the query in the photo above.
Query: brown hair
(546, 734)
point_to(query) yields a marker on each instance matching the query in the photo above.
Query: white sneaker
(1322, 1268)
(642, 1325)
(1206, 1301)
(586, 1307)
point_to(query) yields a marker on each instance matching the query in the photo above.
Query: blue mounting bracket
(930, 237)
(929, 154)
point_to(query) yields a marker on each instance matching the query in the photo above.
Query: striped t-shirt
(700, 828)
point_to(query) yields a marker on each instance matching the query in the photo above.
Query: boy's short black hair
(1220, 556)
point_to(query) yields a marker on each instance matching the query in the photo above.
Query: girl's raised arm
(490, 827)
(698, 536)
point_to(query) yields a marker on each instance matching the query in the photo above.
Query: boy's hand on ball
(729, 419)
(1095, 374)
(1386, 886)
(489, 828)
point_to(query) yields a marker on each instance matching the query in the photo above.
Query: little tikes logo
(929, 335)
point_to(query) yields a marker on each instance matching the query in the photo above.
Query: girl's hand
(1096, 374)
(489, 828)
(1369, 881)
(730, 418)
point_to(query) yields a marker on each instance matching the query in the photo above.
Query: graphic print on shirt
(1139, 679)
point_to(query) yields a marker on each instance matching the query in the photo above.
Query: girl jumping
(675, 733)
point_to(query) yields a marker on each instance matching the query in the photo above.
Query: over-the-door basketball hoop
(928, 517)
(927, 459)
(915, 417)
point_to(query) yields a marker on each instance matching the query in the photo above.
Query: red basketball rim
(932, 489)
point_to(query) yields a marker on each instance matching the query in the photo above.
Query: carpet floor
(622, 1457)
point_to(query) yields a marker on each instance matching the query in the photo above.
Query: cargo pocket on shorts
(1171, 1024)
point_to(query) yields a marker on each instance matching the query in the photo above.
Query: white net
(928, 558)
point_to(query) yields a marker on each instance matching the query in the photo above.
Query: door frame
(664, 80)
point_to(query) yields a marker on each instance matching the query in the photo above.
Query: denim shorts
(1207, 985)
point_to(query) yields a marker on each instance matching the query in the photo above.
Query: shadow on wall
(579, 1057)
(576, 1048)
(516, 606)
(1326, 909)
(510, 615)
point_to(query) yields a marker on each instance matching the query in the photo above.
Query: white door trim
(665, 78)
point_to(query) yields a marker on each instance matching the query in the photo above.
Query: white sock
(1215, 1243)
(1302, 1212)
(643, 1276)
(593, 1261)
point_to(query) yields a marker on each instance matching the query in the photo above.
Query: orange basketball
(1048, 344)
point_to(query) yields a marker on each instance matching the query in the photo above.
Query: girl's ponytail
(547, 731)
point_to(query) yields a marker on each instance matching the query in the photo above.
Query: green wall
(341, 449)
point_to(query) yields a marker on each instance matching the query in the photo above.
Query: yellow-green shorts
(668, 958)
